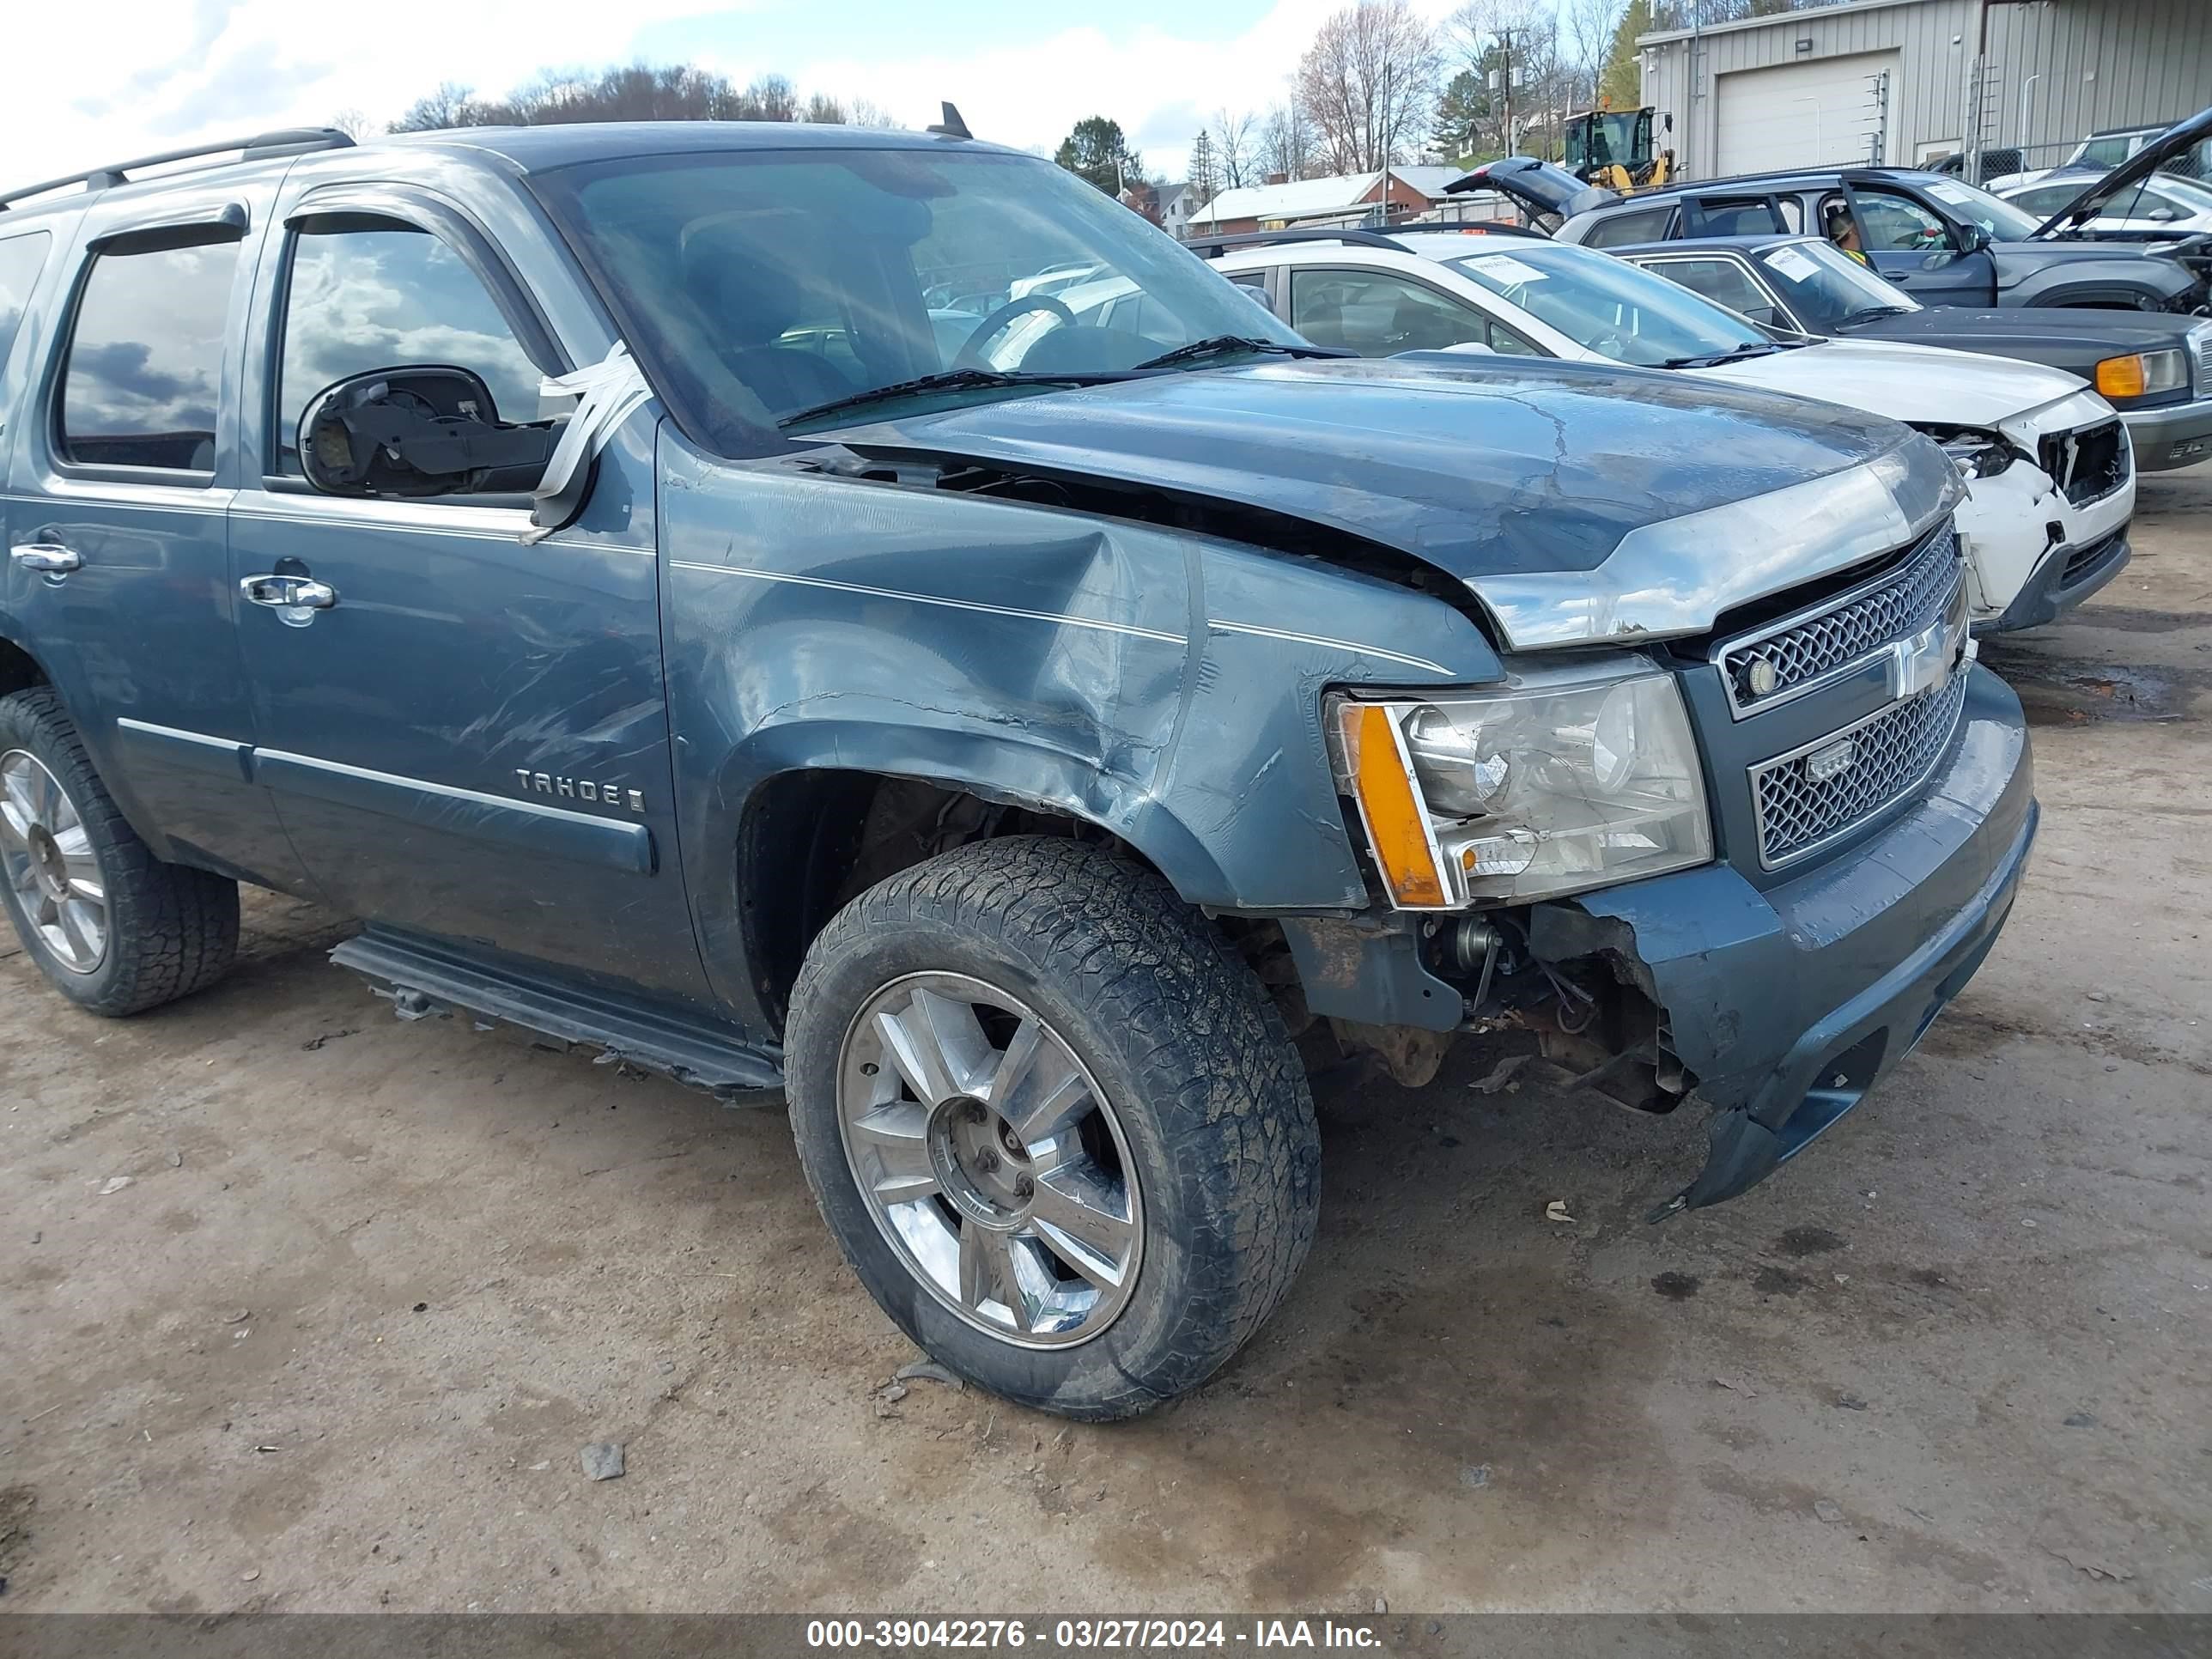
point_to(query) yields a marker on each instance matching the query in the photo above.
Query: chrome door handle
(48, 558)
(287, 592)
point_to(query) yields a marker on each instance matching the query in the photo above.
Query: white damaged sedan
(2049, 470)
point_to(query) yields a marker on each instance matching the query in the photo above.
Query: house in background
(1347, 199)
(1167, 206)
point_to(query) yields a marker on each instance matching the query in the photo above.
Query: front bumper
(2067, 576)
(1789, 1003)
(2178, 435)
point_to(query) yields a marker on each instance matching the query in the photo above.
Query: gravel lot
(371, 1287)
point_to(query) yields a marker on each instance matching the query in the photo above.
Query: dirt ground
(372, 1286)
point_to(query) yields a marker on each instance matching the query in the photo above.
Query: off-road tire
(1175, 1029)
(172, 930)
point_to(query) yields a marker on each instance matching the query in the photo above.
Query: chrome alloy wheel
(46, 859)
(992, 1162)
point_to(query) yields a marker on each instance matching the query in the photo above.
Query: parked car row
(862, 618)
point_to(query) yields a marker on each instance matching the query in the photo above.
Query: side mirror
(1766, 316)
(1972, 239)
(1261, 296)
(421, 430)
(2164, 214)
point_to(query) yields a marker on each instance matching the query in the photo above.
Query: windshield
(753, 285)
(1606, 305)
(2003, 221)
(1826, 287)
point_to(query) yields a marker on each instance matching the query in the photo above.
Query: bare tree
(1286, 141)
(1588, 27)
(866, 112)
(452, 105)
(769, 97)
(1204, 171)
(1368, 83)
(823, 111)
(1237, 147)
(354, 123)
(1491, 37)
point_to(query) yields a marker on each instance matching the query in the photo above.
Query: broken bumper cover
(2067, 576)
(1788, 1004)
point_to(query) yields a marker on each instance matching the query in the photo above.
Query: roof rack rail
(284, 141)
(1351, 233)
(1358, 236)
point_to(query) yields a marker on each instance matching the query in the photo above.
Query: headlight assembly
(1976, 454)
(1551, 786)
(2141, 374)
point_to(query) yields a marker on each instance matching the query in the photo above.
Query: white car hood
(1909, 383)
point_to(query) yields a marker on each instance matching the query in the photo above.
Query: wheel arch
(812, 813)
(19, 669)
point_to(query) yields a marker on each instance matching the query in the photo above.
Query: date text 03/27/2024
(1086, 1635)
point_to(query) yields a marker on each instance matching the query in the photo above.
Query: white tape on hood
(607, 393)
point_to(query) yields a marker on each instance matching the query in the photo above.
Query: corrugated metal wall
(2094, 63)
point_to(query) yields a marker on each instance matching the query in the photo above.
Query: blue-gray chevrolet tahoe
(581, 554)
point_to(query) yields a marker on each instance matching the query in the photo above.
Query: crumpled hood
(1927, 384)
(1492, 465)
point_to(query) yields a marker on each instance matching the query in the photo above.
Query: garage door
(1799, 114)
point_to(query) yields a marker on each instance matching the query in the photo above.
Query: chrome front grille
(1800, 651)
(2205, 364)
(1815, 794)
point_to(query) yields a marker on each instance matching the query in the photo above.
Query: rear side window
(1752, 215)
(380, 296)
(1722, 281)
(1621, 228)
(21, 258)
(146, 358)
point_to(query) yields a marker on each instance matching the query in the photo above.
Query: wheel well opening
(814, 840)
(19, 669)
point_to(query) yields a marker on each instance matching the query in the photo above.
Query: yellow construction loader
(1614, 147)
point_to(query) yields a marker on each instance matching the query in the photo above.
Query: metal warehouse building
(1894, 80)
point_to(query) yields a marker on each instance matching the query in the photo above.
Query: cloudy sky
(110, 78)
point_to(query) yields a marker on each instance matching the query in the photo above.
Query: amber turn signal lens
(1397, 829)
(2121, 377)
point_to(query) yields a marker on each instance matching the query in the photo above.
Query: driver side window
(1898, 224)
(365, 298)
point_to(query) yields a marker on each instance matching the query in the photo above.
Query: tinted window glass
(375, 298)
(146, 359)
(20, 261)
(1622, 229)
(1899, 224)
(1378, 314)
(1739, 216)
(1722, 281)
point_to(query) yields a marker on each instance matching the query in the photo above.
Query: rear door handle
(48, 558)
(289, 592)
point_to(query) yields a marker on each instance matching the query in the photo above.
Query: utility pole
(1505, 81)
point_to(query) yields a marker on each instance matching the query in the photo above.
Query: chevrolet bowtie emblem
(1926, 660)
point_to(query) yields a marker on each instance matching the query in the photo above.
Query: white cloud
(151, 74)
(134, 77)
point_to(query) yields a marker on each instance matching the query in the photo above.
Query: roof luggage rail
(1207, 246)
(284, 141)
(1351, 233)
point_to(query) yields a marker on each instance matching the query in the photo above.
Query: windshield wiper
(1219, 345)
(1871, 313)
(949, 380)
(1714, 359)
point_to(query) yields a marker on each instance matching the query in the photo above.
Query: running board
(423, 977)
